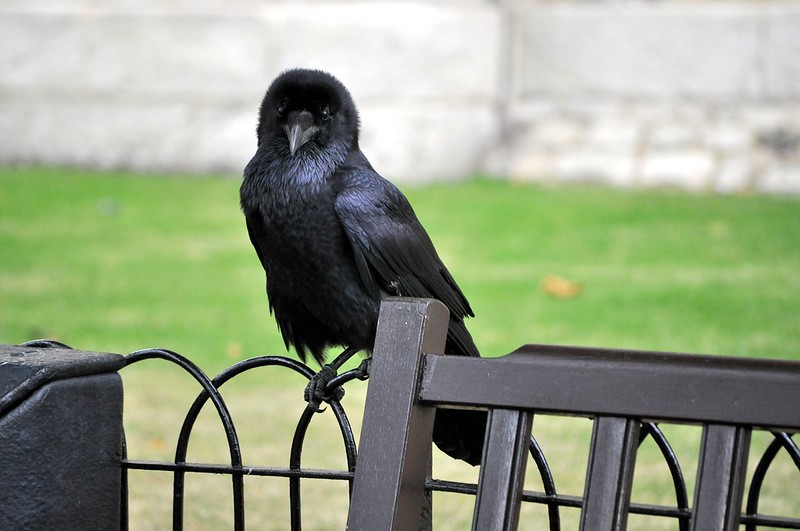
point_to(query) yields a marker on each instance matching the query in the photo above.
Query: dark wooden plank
(502, 475)
(651, 385)
(609, 474)
(395, 444)
(720, 477)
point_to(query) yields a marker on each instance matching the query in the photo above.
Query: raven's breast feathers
(334, 237)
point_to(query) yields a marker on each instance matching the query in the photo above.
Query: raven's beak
(299, 129)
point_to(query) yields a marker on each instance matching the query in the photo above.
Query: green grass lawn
(117, 262)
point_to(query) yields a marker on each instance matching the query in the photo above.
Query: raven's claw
(363, 369)
(316, 392)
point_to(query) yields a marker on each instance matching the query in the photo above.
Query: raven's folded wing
(393, 252)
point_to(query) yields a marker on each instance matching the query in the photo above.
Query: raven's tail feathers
(460, 432)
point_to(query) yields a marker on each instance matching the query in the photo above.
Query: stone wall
(703, 96)
(700, 95)
(698, 146)
(175, 85)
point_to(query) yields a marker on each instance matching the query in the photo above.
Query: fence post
(60, 438)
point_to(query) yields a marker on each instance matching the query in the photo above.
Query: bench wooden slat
(720, 477)
(618, 388)
(609, 475)
(502, 475)
(579, 381)
(393, 458)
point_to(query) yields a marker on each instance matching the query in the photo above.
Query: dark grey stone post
(60, 439)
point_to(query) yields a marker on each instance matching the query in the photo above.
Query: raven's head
(308, 106)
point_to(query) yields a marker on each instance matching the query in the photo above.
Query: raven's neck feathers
(273, 171)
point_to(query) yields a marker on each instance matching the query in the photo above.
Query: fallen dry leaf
(233, 350)
(560, 287)
(157, 443)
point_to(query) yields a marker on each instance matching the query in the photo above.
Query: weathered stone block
(589, 165)
(553, 132)
(735, 175)
(782, 142)
(673, 135)
(185, 54)
(393, 49)
(781, 179)
(532, 165)
(642, 49)
(40, 51)
(440, 140)
(728, 137)
(782, 48)
(689, 169)
(225, 140)
(614, 134)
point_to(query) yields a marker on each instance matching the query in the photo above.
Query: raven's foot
(316, 392)
(363, 369)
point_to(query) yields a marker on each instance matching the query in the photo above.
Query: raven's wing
(255, 229)
(393, 252)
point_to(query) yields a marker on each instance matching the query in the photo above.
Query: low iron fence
(237, 470)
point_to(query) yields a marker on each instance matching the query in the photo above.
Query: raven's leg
(315, 392)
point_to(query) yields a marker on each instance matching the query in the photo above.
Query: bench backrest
(619, 389)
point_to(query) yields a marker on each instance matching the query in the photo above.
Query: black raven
(335, 238)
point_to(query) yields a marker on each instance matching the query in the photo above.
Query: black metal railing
(236, 468)
(295, 473)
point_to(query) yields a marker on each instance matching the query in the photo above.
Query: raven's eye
(325, 113)
(281, 110)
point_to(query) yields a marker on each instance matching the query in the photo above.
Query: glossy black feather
(335, 238)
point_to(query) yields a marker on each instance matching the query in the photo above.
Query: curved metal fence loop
(200, 401)
(295, 456)
(218, 381)
(780, 441)
(652, 430)
(346, 429)
(790, 446)
(180, 452)
(548, 483)
(294, 464)
(210, 390)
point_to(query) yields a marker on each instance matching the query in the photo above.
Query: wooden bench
(619, 389)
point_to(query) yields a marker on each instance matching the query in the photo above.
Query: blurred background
(606, 173)
(700, 95)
